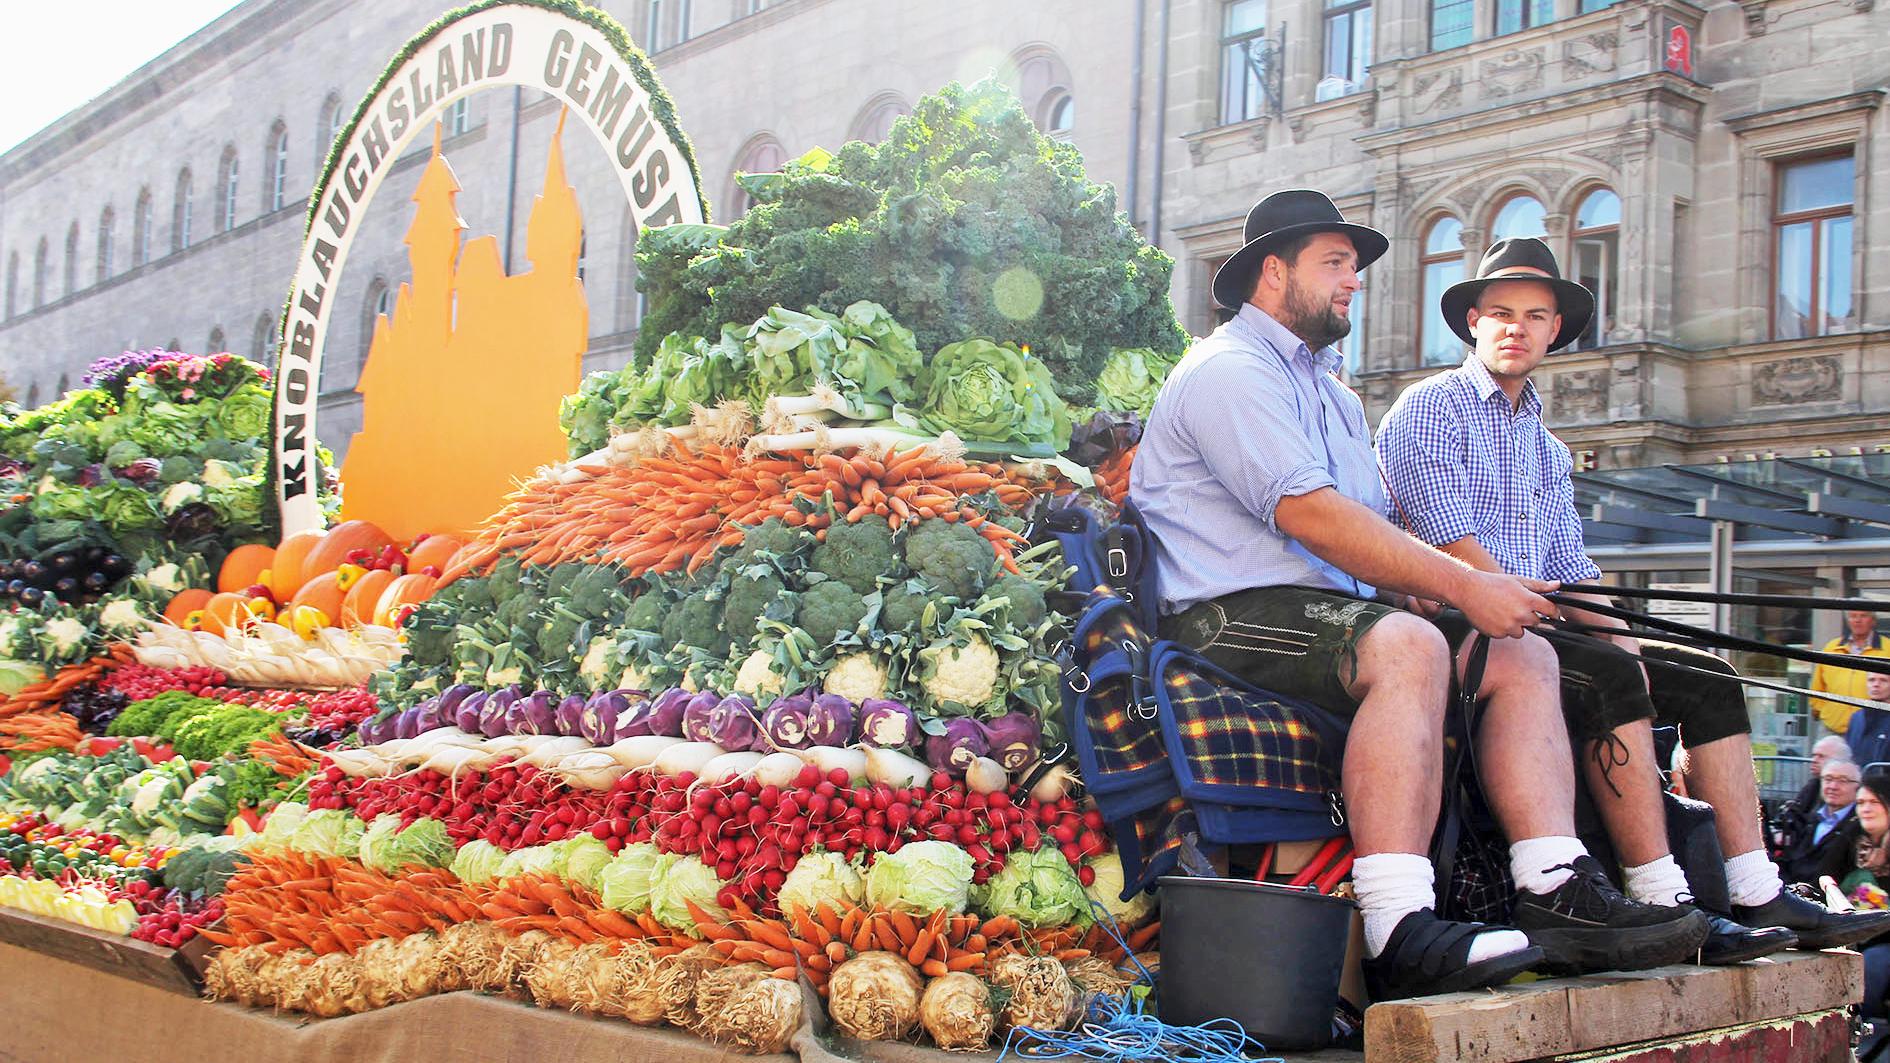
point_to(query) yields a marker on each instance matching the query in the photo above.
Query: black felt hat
(1520, 258)
(1281, 217)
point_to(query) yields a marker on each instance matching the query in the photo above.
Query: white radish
(451, 761)
(591, 769)
(689, 757)
(639, 752)
(985, 776)
(551, 750)
(895, 769)
(827, 758)
(1054, 784)
(778, 769)
(729, 766)
(359, 763)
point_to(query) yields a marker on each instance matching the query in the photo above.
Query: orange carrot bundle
(286, 757)
(1112, 476)
(30, 732)
(52, 690)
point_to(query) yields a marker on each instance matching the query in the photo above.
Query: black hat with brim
(1277, 219)
(1522, 258)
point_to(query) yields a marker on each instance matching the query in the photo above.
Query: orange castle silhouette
(461, 388)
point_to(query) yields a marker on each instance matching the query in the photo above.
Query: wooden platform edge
(179, 971)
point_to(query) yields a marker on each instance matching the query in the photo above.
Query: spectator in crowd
(1869, 735)
(1824, 848)
(1860, 639)
(1795, 814)
(1868, 883)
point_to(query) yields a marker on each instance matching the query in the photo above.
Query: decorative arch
(1441, 263)
(1043, 83)
(761, 154)
(876, 118)
(13, 283)
(32, 395)
(275, 184)
(216, 344)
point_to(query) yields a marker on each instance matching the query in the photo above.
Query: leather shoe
(1817, 927)
(1729, 942)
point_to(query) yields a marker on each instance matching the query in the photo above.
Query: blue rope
(1118, 1029)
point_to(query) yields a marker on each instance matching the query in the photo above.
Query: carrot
(830, 921)
(934, 968)
(837, 951)
(1141, 939)
(887, 936)
(903, 926)
(770, 933)
(999, 926)
(707, 925)
(921, 946)
(609, 922)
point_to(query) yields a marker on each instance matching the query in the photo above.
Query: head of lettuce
(994, 393)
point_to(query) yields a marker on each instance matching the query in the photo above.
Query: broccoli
(951, 555)
(830, 611)
(1026, 598)
(748, 597)
(429, 632)
(904, 605)
(772, 539)
(857, 554)
(696, 621)
(647, 611)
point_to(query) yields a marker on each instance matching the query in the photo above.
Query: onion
(956, 1011)
(875, 996)
(1054, 784)
(729, 766)
(686, 757)
(895, 769)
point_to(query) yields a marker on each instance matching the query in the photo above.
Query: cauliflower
(166, 578)
(64, 635)
(830, 611)
(857, 554)
(965, 675)
(181, 495)
(594, 669)
(757, 677)
(633, 678)
(499, 677)
(856, 677)
(122, 616)
(218, 474)
(953, 556)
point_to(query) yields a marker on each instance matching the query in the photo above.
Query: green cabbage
(478, 861)
(245, 413)
(279, 829)
(378, 836)
(624, 883)
(994, 394)
(330, 832)
(16, 676)
(584, 856)
(921, 877)
(821, 877)
(1130, 378)
(1037, 889)
(536, 860)
(677, 880)
(1106, 890)
(424, 843)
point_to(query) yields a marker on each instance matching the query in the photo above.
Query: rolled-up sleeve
(1242, 417)
(1420, 450)
(1564, 559)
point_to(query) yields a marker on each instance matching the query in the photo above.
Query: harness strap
(1722, 640)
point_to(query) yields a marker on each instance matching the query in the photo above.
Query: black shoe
(1587, 924)
(1817, 927)
(1427, 955)
(1730, 942)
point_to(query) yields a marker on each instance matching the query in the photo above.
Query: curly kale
(830, 611)
(857, 554)
(952, 556)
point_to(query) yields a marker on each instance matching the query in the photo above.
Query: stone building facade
(1707, 169)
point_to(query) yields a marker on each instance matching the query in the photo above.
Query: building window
(226, 186)
(1244, 59)
(876, 119)
(1515, 15)
(1519, 216)
(584, 247)
(1348, 47)
(1453, 23)
(180, 213)
(1811, 219)
(1595, 5)
(459, 116)
(683, 31)
(653, 26)
(39, 274)
(105, 245)
(13, 284)
(260, 340)
(1355, 340)
(1061, 114)
(1441, 266)
(216, 345)
(141, 229)
(72, 258)
(1597, 244)
(667, 23)
(753, 7)
(278, 188)
(1216, 313)
(327, 128)
(763, 155)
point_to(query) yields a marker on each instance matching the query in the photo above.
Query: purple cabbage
(450, 700)
(830, 723)
(535, 714)
(570, 715)
(695, 717)
(733, 726)
(1014, 739)
(406, 724)
(466, 713)
(666, 712)
(634, 718)
(786, 722)
(494, 715)
(429, 715)
(602, 715)
(888, 724)
(963, 742)
(377, 730)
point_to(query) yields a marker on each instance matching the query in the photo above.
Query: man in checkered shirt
(1472, 471)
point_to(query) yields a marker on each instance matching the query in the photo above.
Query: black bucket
(1268, 957)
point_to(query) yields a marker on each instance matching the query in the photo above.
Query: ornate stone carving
(1515, 72)
(1438, 91)
(1579, 394)
(1593, 54)
(1815, 378)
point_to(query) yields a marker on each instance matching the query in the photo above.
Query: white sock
(1531, 861)
(1657, 882)
(1752, 879)
(1391, 886)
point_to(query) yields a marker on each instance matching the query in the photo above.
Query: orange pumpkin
(410, 589)
(324, 593)
(435, 550)
(184, 604)
(225, 612)
(285, 572)
(344, 539)
(363, 596)
(244, 567)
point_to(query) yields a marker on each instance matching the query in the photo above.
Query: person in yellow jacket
(1861, 640)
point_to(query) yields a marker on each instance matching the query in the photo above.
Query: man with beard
(1256, 479)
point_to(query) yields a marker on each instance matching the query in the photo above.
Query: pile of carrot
(565, 909)
(30, 732)
(286, 757)
(49, 692)
(1112, 476)
(674, 512)
(326, 904)
(1075, 942)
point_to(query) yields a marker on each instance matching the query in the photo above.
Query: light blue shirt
(1249, 416)
(1828, 819)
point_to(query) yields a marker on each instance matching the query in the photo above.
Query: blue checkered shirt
(1461, 462)
(1247, 417)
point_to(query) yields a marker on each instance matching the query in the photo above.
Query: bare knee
(1528, 663)
(1405, 650)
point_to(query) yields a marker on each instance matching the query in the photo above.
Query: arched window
(39, 274)
(584, 247)
(216, 345)
(875, 120)
(1441, 266)
(13, 283)
(265, 340)
(276, 189)
(32, 395)
(105, 245)
(65, 385)
(180, 212)
(141, 229)
(763, 154)
(1043, 83)
(1520, 215)
(1596, 244)
(226, 190)
(1062, 114)
(72, 258)
(378, 304)
(327, 128)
